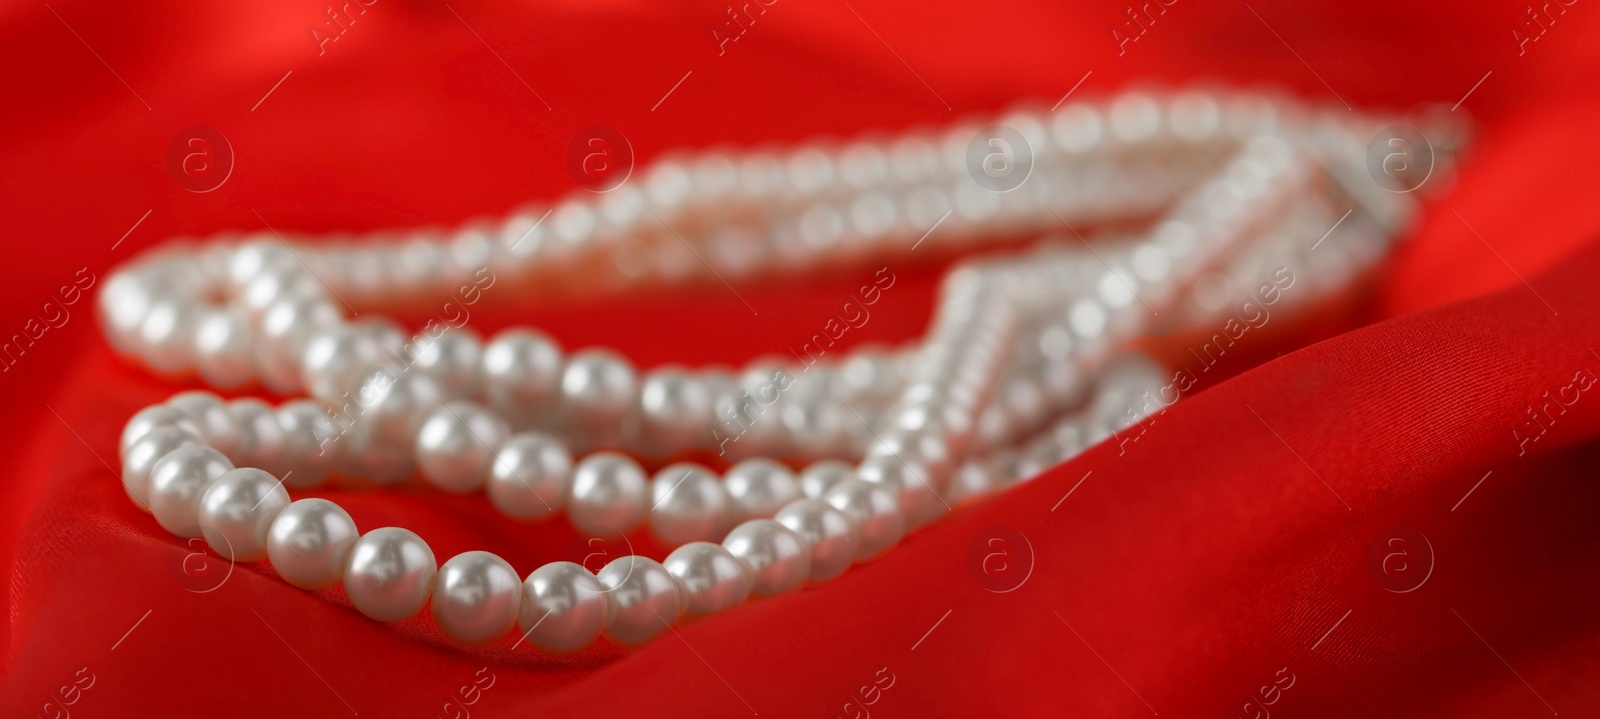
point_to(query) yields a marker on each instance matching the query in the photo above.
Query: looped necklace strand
(1023, 366)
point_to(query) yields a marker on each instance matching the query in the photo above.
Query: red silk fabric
(1230, 562)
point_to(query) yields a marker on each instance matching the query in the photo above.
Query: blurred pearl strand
(1017, 371)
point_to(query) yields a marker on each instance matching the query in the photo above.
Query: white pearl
(237, 510)
(217, 426)
(310, 442)
(260, 437)
(269, 287)
(286, 328)
(675, 408)
(689, 504)
(455, 447)
(818, 477)
(308, 543)
(643, 599)
(453, 359)
(530, 476)
(597, 389)
(476, 597)
(608, 494)
(390, 410)
(563, 608)
(777, 557)
(972, 480)
(759, 487)
(148, 419)
(711, 578)
(830, 533)
(166, 336)
(223, 349)
(915, 485)
(176, 483)
(816, 428)
(389, 574)
(122, 305)
(252, 258)
(142, 456)
(876, 511)
(339, 358)
(521, 368)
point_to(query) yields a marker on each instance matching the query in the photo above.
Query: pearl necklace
(1018, 370)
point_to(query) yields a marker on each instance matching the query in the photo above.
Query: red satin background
(1177, 579)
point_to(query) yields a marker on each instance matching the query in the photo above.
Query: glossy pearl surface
(310, 442)
(237, 510)
(608, 494)
(688, 504)
(521, 368)
(309, 541)
(142, 457)
(563, 607)
(758, 487)
(778, 559)
(453, 358)
(260, 437)
(148, 419)
(876, 512)
(211, 415)
(642, 599)
(389, 574)
(818, 477)
(476, 597)
(530, 476)
(831, 534)
(455, 446)
(709, 576)
(176, 483)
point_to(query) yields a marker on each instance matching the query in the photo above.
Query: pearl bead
(914, 484)
(260, 437)
(608, 494)
(176, 483)
(643, 599)
(310, 442)
(674, 408)
(597, 388)
(777, 557)
(876, 512)
(389, 574)
(142, 456)
(759, 487)
(308, 543)
(223, 349)
(391, 409)
(148, 419)
(455, 447)
(337, 359)
(286, 328)
(166, 336)
(250, 259)
(710, 578)
(830, 533)
(453, 359)
(689, 504)
(476, 597)
(521, 368)
(972, 480)
(563, 607)
(530, 476)
(818, 477)
(237, 510)
(216, 424)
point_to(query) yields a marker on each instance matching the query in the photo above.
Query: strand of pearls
(1018, 371)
